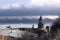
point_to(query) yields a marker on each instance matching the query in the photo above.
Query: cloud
(44, 4)
(15, 5)
(8, 4)
(5, 6)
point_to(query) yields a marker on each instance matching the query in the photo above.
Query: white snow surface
(15, 32)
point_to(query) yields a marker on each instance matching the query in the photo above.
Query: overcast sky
(45, 4)
(29, 7)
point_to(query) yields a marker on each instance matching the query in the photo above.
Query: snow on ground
(3, 26)
(15, 33)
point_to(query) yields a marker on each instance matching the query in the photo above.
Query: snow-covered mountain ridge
(28, 17)
(25, 19)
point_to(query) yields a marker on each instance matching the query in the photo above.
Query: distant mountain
(24, 20)
(47, 20)
(18, 21)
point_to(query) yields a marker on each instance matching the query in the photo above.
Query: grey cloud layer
(44, 4)
(29, 7)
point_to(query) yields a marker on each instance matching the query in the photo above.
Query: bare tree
(55, 29)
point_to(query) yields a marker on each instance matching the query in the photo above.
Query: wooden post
(3, 37)
(0, 37)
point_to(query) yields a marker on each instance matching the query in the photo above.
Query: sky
(29, 7)
(44, 4)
